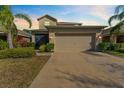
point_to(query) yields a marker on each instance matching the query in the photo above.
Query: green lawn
(116, 53)
(20, 72)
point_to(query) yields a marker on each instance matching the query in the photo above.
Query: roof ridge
(46, 15)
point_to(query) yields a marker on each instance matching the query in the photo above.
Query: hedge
(17, 53)
(103, 46)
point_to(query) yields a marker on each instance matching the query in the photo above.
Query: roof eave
(53, 27)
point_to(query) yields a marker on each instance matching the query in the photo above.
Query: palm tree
(7, 21)
(118, 16)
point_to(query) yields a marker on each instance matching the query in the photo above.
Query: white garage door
(73, 42)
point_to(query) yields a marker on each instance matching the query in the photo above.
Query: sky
(85, 14)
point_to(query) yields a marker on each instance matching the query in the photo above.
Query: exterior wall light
(100, 37)
(50, 37)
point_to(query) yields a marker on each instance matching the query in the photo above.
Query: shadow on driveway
(93, 53)
(85, 81)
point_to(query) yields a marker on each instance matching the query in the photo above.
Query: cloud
(100, 11)
(95, 14)
(90, 22)
(61, 20)
(88, 15)
(22, 24)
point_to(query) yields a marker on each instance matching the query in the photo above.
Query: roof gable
(47, 16)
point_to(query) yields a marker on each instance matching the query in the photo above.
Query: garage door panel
(73, 42)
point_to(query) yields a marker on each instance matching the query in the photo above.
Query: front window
(46, 23)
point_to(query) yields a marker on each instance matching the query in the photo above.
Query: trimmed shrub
(103, 46)
(18, 44)
(49, 47)
(17, 53)
(24, 44)
(114, 46)
(42, 48)
(3, 45)
(108, 46)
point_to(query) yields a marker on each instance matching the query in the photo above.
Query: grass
(20, 72)
(116, 53)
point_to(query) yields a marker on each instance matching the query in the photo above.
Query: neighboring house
(118, 38)
(21, 36)
(67, 36)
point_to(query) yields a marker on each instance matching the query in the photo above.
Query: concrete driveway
(75, 70)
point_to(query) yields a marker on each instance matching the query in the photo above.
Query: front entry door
(41, 39)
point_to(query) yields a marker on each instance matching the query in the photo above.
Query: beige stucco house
(67, 36)
(117, 38)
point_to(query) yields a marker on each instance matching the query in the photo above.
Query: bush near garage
(49, 47)
(17, 52)
(43, 48)
(46, 47)
(114, 46)
(104, 46)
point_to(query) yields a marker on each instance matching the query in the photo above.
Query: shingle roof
(48, 16)
(23, 33)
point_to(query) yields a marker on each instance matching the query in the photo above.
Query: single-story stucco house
(118, 38)
(66, 36)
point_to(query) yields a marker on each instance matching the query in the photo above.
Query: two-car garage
(72, 39)
(74, 42)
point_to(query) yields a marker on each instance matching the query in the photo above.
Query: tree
(7, 21)
(119, 16)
